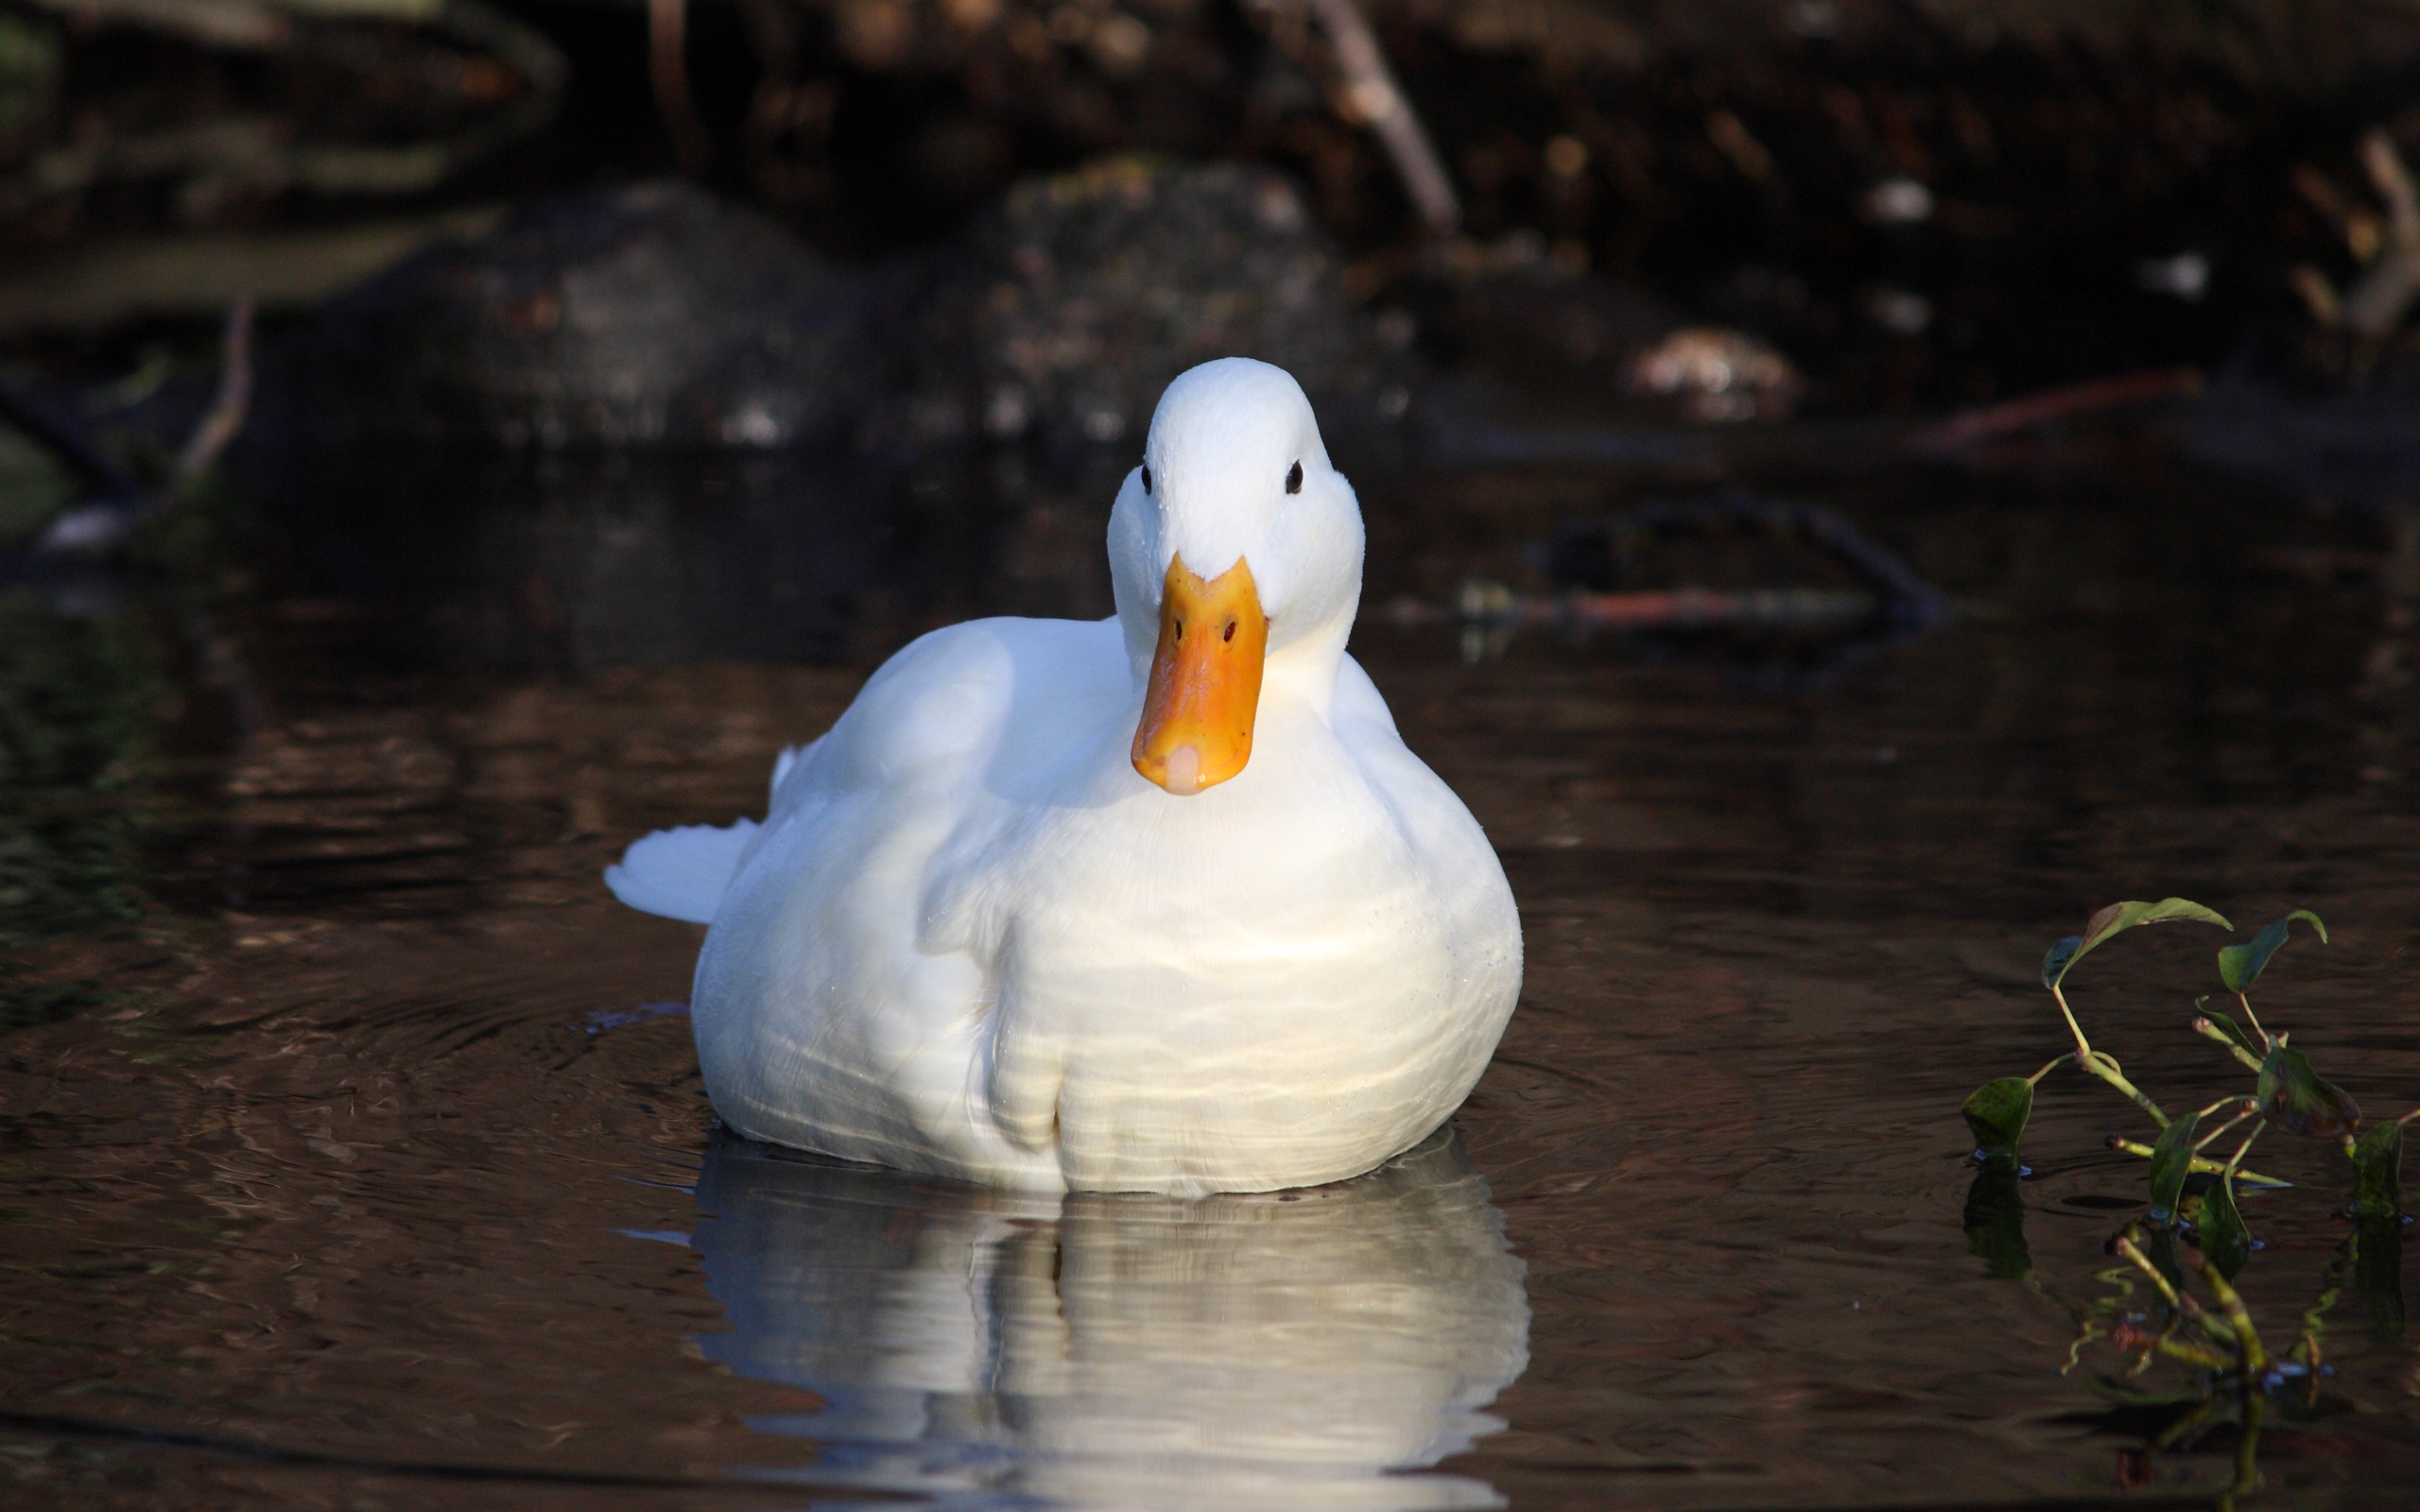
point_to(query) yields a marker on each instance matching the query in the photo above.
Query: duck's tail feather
(791, 757)
(681, 873)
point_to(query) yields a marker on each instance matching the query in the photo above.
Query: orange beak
(1204, 690)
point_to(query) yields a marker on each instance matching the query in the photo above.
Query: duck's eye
(1147, 477)
(1294, 479)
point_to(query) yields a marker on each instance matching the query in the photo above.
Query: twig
(227, 409)
(2380, 298)
(1995, 420)
(1370, 87)
(668, 42)
(1680, 608)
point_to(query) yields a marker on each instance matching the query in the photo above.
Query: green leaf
(2298, 1100)
(2171, 1161)
(2240, 966)
(2377, 1172)
(2226, 1242)
(2116, 917)
(2231, 1029)
(1997, 1113)
(1994, 1222)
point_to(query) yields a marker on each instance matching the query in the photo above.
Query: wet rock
(647, 425)
(1063, 313)
(652, 315)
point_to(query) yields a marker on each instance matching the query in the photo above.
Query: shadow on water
(1277, 1350)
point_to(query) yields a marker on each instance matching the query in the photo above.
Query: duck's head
(1234, 544)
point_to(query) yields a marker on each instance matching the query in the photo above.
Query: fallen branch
(2090, 397)
(2380, 298)
(668, 45)
(227, 408)
(1370, 89)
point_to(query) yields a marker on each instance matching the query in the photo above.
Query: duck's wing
(994, 699)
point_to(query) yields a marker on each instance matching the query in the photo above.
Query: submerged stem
(2247, 1452)
(2253, 1356)
(2125, 1245)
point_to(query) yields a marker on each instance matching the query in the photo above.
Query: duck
(1160, 903)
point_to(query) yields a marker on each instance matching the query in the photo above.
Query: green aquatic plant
(2288, 1092)
(2172, 1296)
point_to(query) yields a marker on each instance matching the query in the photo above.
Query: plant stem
(2208, 1139)
(2062, 1060)
(2181, 1301)
(2134, 1253)
(2247, 1452)
(2203, 1166)
(2235, 1162)
(2249, 1017)
(2104, 1067)
(2084, 1046)
(2254, 1355)
(2212, 1031)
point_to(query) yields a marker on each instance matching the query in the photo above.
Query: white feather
(971, 939)
(681, 873)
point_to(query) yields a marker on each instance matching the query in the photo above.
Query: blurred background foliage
(1936, 200)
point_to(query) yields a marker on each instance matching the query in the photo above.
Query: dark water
(380, 1176)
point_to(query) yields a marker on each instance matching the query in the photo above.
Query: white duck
(1160, 903)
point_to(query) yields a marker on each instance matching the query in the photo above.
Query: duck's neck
(1305, 669)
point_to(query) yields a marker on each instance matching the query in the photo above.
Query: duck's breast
(1281, 981)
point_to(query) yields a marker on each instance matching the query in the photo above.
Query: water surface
(378, 1174)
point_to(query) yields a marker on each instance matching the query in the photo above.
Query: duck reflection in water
(1264, 1350)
